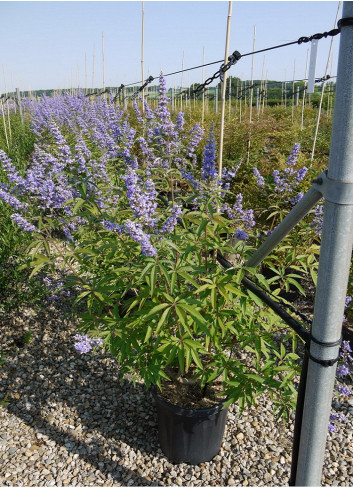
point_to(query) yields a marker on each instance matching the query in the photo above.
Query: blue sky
(44, 44)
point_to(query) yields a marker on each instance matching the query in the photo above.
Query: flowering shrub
(344, 371)
(138, 220)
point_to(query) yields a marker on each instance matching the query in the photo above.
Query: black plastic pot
(190, 436)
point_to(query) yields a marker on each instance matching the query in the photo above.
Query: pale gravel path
(72, 422)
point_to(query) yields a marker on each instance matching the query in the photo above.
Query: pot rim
(190, 412)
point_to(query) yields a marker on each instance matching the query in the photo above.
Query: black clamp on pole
(344, 22)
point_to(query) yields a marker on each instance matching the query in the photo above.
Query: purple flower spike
(209, 157)
(260, 182)
(23, 223)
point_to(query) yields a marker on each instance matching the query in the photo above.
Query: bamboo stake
(18, 102)
(262, 85)
(323, 87)
(240, 100)
(103, 61)
(142, 53)
(265, 96)
(94, 49)
(304, 92)
(229, 94)
(252, 77)
(182, 81)
(85, 90)
(236, 98)
(7, 104)
(203, 91)
(223, 100)
(293, 93)
(4, 122)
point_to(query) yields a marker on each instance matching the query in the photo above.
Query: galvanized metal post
(335, 257)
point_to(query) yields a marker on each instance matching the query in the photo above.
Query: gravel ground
(71, 421)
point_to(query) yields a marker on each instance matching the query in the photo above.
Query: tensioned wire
(301, 40)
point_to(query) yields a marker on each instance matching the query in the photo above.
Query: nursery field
(114, 223)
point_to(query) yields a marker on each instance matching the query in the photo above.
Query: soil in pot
(190, 434)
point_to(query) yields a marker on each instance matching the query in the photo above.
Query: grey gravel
(72, 421)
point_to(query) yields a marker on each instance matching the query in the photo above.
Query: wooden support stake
(142, 53)
(220, 152)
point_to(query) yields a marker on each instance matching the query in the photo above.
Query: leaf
(181, 358)
(194, 313)
(213, 298)
(148, 334)
(196, 359)
(256, 299)
(162, 320)
(153, 277)
(155, 309)
(257, 378)
(39, 258)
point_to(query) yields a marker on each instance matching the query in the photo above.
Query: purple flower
(110, 226)
(23, 223)
(142, 200)
(343, 370)
(209, 157)
(317, 221)
(260, 182)
(343, 390)
(170, 223)
(293, 155)
(240, 234)
(297, 198)
(84, 344)
(11, 200)
(135, 231)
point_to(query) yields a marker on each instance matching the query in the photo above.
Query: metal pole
(306, 203)
(335, 257)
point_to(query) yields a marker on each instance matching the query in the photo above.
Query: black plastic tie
(324, 363)
(328, 344)
(344, 22)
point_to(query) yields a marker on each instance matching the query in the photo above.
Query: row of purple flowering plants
(137, 217)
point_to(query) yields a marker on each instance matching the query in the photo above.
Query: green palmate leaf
(196, 358)
(188, 278)
(257, 378)
(36, 269)
(153, 277)
(163, 319)
(213, 298)
(201, 227)
(155, 310)
(173, 282)
(181, 359)
(148, 333)
(256, 299)
(194, 313)
(165, 273)
(235, 290)
(39, 258)
(146, 269)
(78, 205)
(297, 285)
(183, 319)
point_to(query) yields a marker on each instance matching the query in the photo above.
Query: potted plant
(155, 295)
